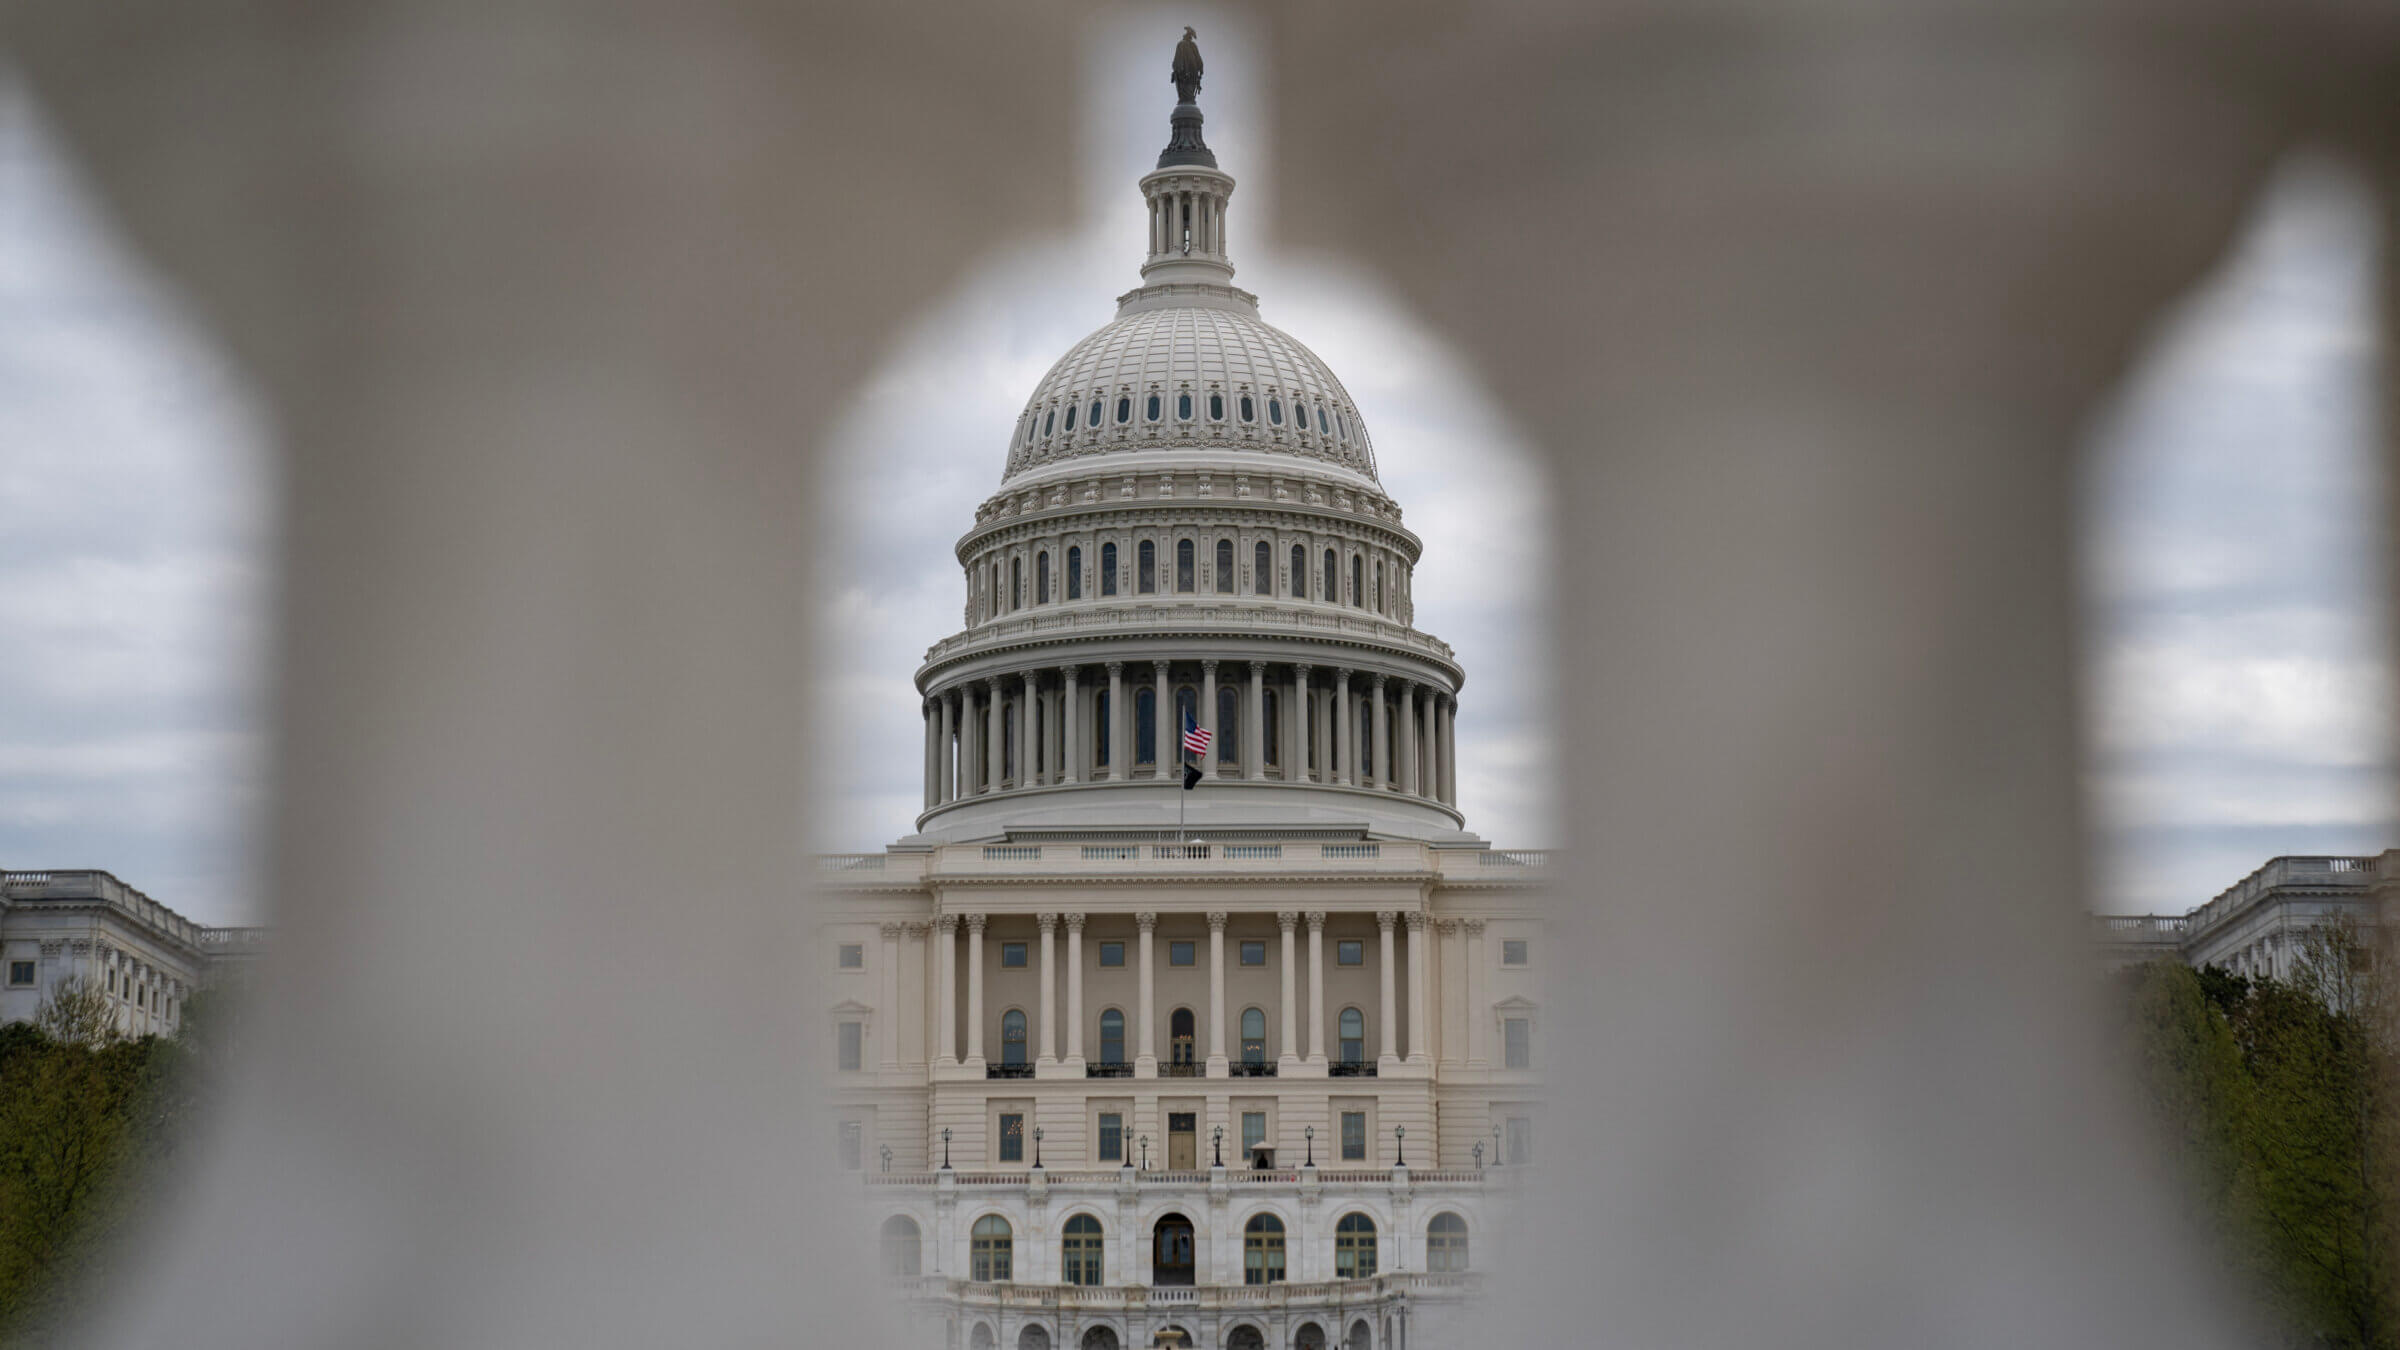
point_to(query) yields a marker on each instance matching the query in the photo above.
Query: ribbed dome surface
(1296, 406)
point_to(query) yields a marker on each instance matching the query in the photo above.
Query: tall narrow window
(1225, 567)
(1029, 429)
(1145, 726)
(1108, 569)
(1518, 1042)
(1262, 1250)
(1093, 421)
(1520, 1140)
(903, 1249)
(853, 1039)
(1074, 571)
(1377, 605)
(1112, 1136)
(1012, 1136)
(1183, 407)
(1080, 1250)
(1229, 723)
(1016, 583)
(1216, 407)
(1358, 576)
(1331, 591)
(1262, 568)
(1145, 570)
(1446, 1243)
(1124, 410)
(1353, 1046)
(1254, 1133)
(1100, 728)
(1271, 730)
(853, 1146)
(1299, 572)
(1179, 1038)
(1012, 1037)
(992, 1244)
(1354, 1247)
(1254, 1045)
(1249, 409)
(1150, 410)
(1050, 421)
(1112, 1037)
(1354, 1136)
(1041, 577)
(1275, 412)
(1070, 417)
(1185, 567)
(1322, 429)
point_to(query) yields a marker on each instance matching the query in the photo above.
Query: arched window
(1245, 1338)
(1108, 569)
(1186, 568)
(1041, 577)
(1070, 417)
(1353, 1039)
(1310, 1337)
(1446, 1243)
(1145, 726)
(982, 1339)
(1225, 567)
(1093, 421)
(1012, 1036)
(1050, 421)
(1262, 1250)
(1275, 412)
(1029, 428)
(1105, 1338)
(1229, 723)
(1341, 424)
(1016, 583)
(1362, 1336)
(1034, 1336)
(1074, 571)
(1271, 731)
(993, 1245)
(1101, 724)
(1145, 568)
(1300, 415)
(1262, 568)
(1183, 407)
(1249, 409)
(1354, 1247)
(903, 1252)
(1179, 1037)
(1358, 580)
(1331, 592)
(1377, 606)
(1254, 1036)
(1216, 407)
(1299, 572)
(1112, 1037)
(1150, 410)
(1124, 409)
(1322, 429)
(1081, 1249)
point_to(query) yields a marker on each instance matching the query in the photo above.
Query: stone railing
(1282, 1294)
(92, 886)
(1210, 616)
(2314, 872)
(1377, 856)
(1111, 1177)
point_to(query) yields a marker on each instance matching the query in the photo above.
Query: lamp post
(1478, 1155)
(1037, 1146)
(1495, 1143)
(1310, 1134)
(886, 1151)
(945, 1148)
(1216, 1141)
(1399, 1146)
(1145, 1152)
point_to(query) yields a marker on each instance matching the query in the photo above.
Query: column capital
(1287, 920)
(1069, 672)
(1384, 919)
(992, 682)
(1474, 927)
(1216, 920)
(1416, 921)
(1116, 668)
(975, 922)
(1145, 921)
(1407, 685)
(1445, 927)
(1302, 669)
(1074, 923)
(890, 932)
(1162, 667)
(1210, 666)
(1048, 922)
(1379, 677)
(946, 924)
(1258, 668)
(917, 928)
(1316, 920)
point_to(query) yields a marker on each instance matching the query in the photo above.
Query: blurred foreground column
(1809, 305)
(551, 304)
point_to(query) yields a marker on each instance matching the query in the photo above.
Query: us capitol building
(1248, 1065)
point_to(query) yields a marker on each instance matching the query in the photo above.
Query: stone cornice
(1149, 512)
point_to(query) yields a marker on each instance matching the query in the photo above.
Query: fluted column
(1208, 718)
(970, 744)
(1295, 770)
(1028, 749)
(1049, 1001)
(1162, 719)
(1379, 740)
(1146, 1057)
(1071, 730)
(887, 1011)
(1345, 731)
(1254, 735)
(945, 960)
(1449, 751)
(1387, 1045)
(948, 762)
(1288, 1048)
(933, 769)
(1120, 746)
(1316, 986)
(1404, 740)
(995, 750)
(1477, 1056)
(1074, 990)
(1417, 1049)
(975, 985)
(1432, 740)
(1216, 993)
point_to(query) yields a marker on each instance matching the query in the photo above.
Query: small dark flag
(1191, 776)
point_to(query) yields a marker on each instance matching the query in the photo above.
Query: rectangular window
(1354, 1136)
(20, 972)
(1254, 953)
(1512, 952)
(1519, 1042)
(854, 1146)
(854, 1036)
(1146, 568)
(1112, 1137)
(854, 956)
(1350, 952)
(1183, 953)
(1520, 1140)
(1012, 956)
(1012, 1137)
(1254, 1132)
(1112, 953)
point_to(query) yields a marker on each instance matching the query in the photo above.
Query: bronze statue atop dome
(1186, 73)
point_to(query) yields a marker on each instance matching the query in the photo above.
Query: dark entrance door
(1171, 1251)
(1183, 1141)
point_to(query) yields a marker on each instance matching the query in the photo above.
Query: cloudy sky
(2237, 683)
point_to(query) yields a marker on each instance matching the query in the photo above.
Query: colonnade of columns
(1145, 1046)
(1036, 727)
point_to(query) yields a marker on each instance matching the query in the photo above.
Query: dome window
(1029, 431)
(1150, 413)
(1108, 569)
(1216, 407)
(1050, 421)
(1094, 420)
(1183, 407)
(1124, 410)
(1070, 417)
(1275, 412)
(1342, 421)
(1322, 428)
(1249, 410)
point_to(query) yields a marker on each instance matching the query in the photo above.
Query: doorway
(1183, 1141)
(1171, 1252)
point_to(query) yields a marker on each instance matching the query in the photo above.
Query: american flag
(1195, 737)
